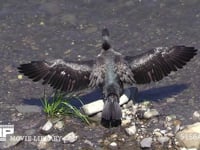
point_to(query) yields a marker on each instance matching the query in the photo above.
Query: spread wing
(63, 75)
(159, 62)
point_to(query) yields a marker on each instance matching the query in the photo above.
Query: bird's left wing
(159, 62)
(63, 75)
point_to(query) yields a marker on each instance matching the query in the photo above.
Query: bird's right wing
(159, 62)
(63, 75)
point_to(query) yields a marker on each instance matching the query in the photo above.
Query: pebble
(59, 125)
(44, 142)
(113, 145)
(146, 142)
(157, 133)
(47, 127)
(170, 134)
(171, 100)
(131, 130)
(196, 116)
(20, 77)
(70, 138)
(151, 113)
(163, 139)
(134, 109)
(89, 143)
(126, 122)
(125, 97)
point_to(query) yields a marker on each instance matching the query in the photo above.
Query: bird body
(110, 71)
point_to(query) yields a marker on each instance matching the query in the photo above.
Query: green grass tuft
(59, 106)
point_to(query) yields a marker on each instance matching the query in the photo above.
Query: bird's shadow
(153, 94)
(161, 93)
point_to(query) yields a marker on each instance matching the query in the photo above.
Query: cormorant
(109, 71)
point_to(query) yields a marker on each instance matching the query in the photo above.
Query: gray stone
(47, 127)
(131, 130)
(196, 116)
(59, 125)
(98, 105)
(190, 136)
(163, 139)
(89, 143)
(28, 108)
(125, 97)
(70, 138)
(126, 122)
(146, 142)
(151, 113)
(113, 145)
(171, 100)
(93, 107)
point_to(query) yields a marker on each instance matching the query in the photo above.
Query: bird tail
(105, 34)
(111, 115)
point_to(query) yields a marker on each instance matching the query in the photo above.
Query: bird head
(105, 35)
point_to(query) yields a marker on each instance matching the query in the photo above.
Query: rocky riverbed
(41, 29)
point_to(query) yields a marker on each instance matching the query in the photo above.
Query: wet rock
(146, 142)
(59, 125)
(70, 138)
(113, 145)
(150, 113)
(131, 130)
(189, 137)
(10, 142)
(163, 139)
(28, 109)
(47, 127)
(43, 143)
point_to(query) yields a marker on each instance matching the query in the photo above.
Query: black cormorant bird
(109, 71)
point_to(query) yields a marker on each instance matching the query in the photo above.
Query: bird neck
(106, 45)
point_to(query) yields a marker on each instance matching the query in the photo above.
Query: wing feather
(159, 62)
(63, 75)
